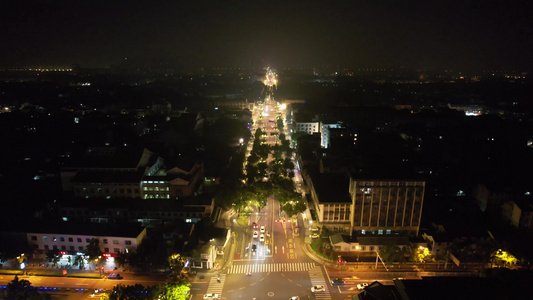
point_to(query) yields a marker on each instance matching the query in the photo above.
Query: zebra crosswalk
(317, 278)
(215, 287)
(273, 267)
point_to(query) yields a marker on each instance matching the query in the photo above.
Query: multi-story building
(106, 174)
(308, 127)
(325, 138)
(367, 207)
(385, 207)
(331, 201)
(74, 238)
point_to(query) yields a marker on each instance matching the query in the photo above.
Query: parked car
(255, 234)
(262, 230)
(211, 296)
(262, 238)
(314, 236)
(294, 298)
(337, 281)
(114, 276)
(318, 288)
(361, 286)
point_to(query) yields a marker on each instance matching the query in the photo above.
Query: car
(294, 298)
(211, 296)
(262, 238)
(255, 234)
(361, 286)
(254, 247)
(314, 229)
(318, 288)
(262, 230)
(314, 236)
(337, 281)
(254, 225)
(114, 276)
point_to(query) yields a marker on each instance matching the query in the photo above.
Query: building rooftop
(96, 229)
(331, 187)
(107, 177)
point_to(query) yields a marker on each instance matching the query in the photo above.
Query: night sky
(459, 35)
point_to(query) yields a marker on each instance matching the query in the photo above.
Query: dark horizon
(478, 35)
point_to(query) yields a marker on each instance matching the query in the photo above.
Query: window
(46, 247)
(380, 231)
(79, 240)
(55, 247)
(87, 240)
(63, 247)
(105, 241)
(115, 242)
(33, 237)
(54, 239)
(106, 249)
(116, 250)
(127, 242)
(61, 239)
(70, 239)
(388, 231)
(71, 248)
(80, 248)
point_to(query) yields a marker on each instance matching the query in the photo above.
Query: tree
(93, 250)
(179, 291)
(132, 292)
(253, 158)
(288, 164)
(53, 256)
(78, 261)
(22, 290)
(121, 259)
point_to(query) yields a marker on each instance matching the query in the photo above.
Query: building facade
(70, 242)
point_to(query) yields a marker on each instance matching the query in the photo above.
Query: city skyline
(479, 35)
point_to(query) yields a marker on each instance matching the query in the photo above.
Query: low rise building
(71, 238)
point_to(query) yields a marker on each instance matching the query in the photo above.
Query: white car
(255, 234)
(318, 288)
(314, 236)
(361, 286)
(262, 229)
(294, 298)
(314, 229)
(262, 238)
(211, 296)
